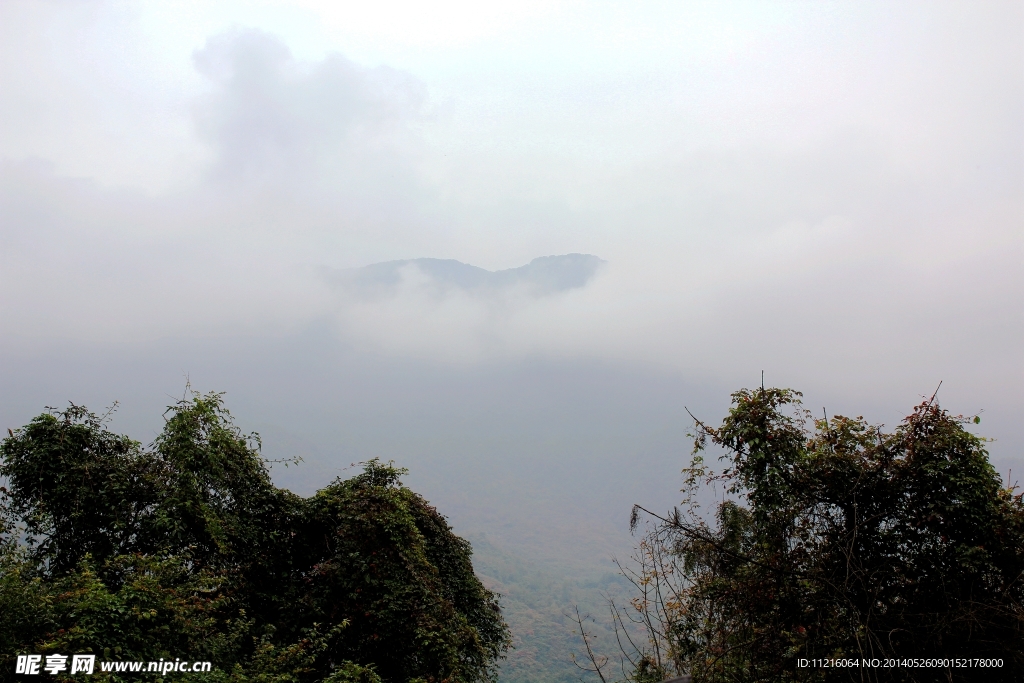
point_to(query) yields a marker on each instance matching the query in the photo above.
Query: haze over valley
(509, 246)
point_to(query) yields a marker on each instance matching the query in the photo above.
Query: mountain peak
(544, 275)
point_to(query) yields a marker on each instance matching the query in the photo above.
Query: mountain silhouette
(542, 276)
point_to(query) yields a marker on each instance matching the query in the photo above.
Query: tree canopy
(833, 539)
(185, 548)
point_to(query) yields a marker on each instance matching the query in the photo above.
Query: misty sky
(830, 193)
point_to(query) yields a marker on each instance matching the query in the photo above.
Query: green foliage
(838, 541)
(77, 488)
(406, 580)
(187, 549)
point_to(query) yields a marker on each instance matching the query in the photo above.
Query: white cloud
(752, 174)
(329, 127)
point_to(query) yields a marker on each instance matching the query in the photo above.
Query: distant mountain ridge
(541, 276)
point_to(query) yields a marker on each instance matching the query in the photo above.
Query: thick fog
(830, 193)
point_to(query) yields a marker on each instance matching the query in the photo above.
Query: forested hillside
(539, 602)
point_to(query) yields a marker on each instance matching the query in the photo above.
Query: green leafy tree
(186, 549)
(835, 540)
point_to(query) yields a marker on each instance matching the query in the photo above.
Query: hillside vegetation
(185, 549)
(832, 539)
(835, 541)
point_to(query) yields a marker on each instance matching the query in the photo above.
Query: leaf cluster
(185, 548)
(835, 539)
